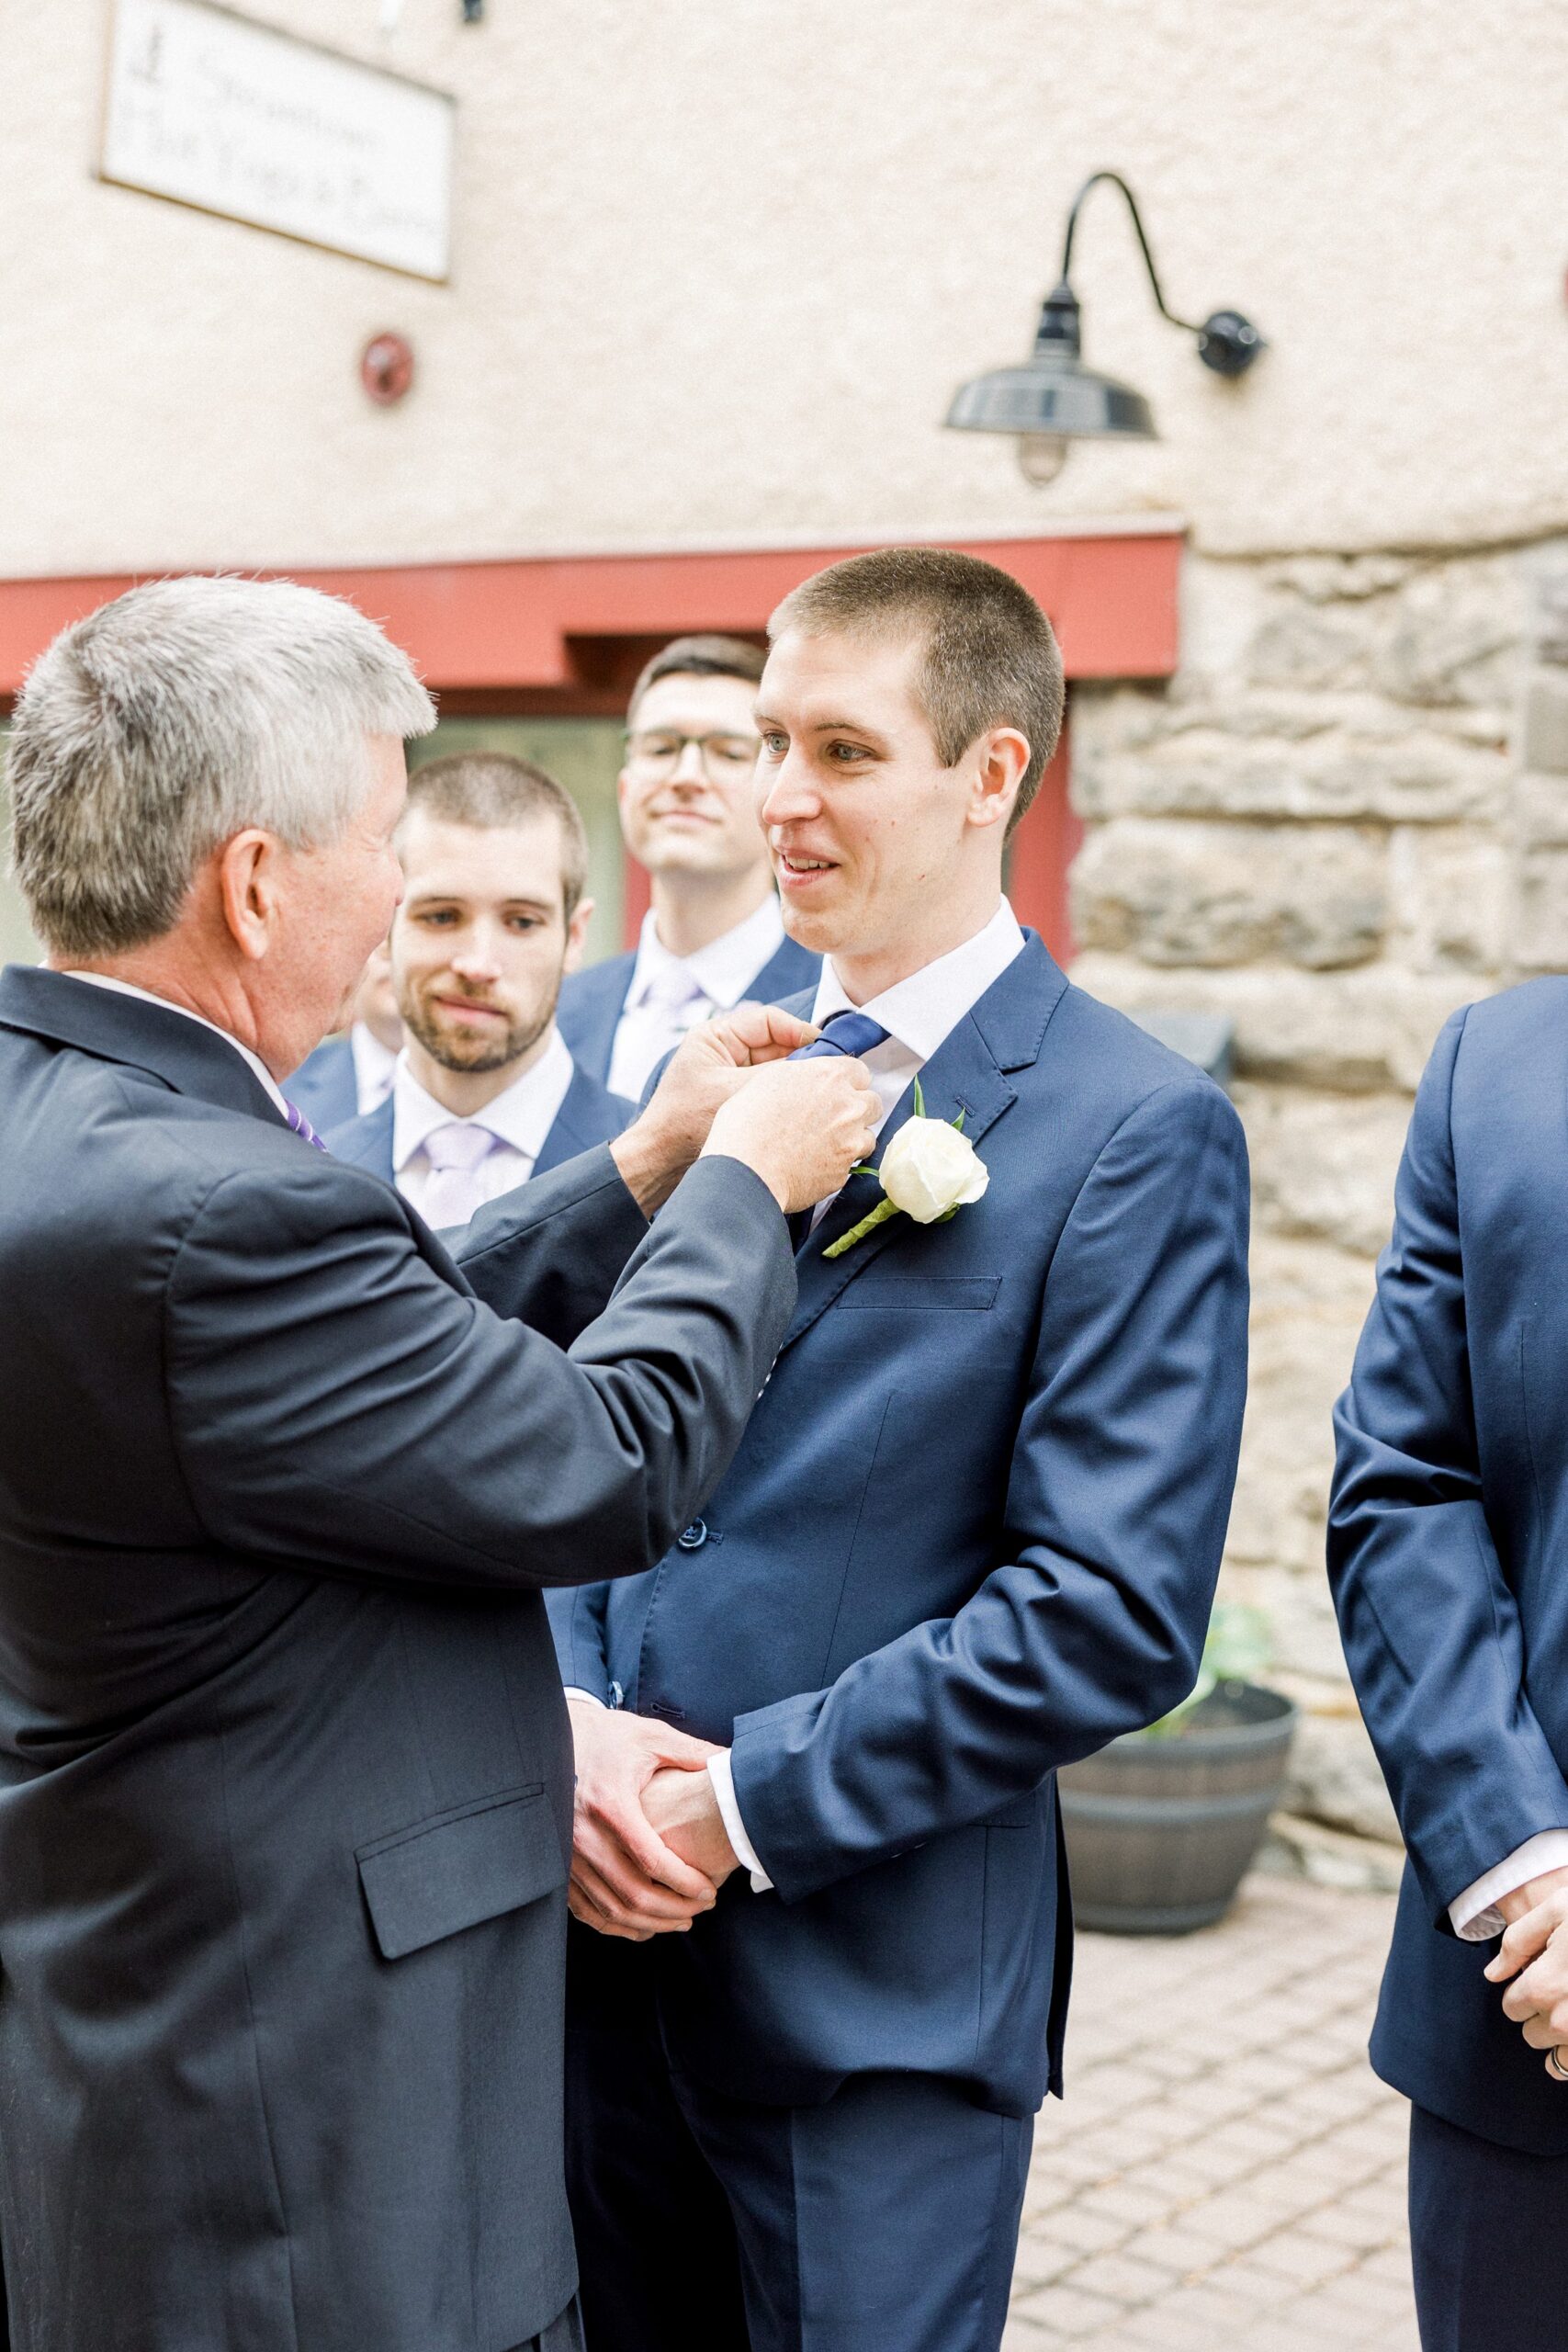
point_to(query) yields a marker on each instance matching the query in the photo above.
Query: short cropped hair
(167, 721)
(990, 655)
(488, 789)
(700, 657)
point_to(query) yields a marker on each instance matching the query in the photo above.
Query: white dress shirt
(1475, 1915)
(918, 1014)
(519, 1118)
(669, 994)
(125, 988)
(374, 1064)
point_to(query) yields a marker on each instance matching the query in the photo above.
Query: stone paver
(1226, 2170)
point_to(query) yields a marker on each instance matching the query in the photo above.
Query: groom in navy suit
(971, 1535)
(1446, 1554)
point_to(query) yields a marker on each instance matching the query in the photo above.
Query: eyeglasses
(727, 758)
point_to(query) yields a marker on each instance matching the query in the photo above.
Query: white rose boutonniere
(929, 1171)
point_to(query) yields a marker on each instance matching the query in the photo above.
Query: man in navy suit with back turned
(972, 1533)
(485, 1093)
(1446, 1555)
(285, 1770)
(713, 933)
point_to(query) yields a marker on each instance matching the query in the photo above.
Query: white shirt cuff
(1475, 1915)
(575, 1691)
(723, 1779)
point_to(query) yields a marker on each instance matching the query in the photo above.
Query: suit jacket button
(692, 1538)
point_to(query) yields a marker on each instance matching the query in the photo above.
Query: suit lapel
(599, 1032)
(588, 1116)
(562, 1141)
(368, 1142)
(968, 1073)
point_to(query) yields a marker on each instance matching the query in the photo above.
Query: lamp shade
(1054, 394)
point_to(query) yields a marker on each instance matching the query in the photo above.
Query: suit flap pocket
(451, 1871)
(920, 1293)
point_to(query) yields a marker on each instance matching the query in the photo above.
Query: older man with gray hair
(285, 1776)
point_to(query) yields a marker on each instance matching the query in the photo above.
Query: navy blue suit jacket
(1447, 1538)
(589, 1114)
(324, 1086)
(972, 1533)
(592, 1002)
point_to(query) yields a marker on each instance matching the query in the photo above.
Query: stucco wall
(719, 269)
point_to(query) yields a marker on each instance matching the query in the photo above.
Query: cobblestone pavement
(1227, 2174)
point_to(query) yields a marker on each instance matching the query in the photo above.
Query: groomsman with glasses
(713, 933)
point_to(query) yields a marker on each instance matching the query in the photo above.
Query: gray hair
(167, 721)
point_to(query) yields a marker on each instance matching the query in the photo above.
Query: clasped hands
(649, 1851)
(1532, 1961)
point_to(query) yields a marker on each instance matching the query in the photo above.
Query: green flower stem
(879, 1215)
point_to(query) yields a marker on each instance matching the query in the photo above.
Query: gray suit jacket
(285, 1776)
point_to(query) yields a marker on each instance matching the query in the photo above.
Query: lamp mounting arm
(1116, 180)
(1226, 342)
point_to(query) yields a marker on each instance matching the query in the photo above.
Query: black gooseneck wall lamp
(1054, 399)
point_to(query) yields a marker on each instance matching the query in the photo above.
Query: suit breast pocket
(454, 1870)
(881, 1294)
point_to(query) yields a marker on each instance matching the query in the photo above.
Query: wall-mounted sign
(217, 111)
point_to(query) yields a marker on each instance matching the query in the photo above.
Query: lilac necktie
(302, 1128)
(457, 1152)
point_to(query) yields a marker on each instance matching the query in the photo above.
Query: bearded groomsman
(485, 1093)
(713, 933)
(1446, 1554)
(972, 1534)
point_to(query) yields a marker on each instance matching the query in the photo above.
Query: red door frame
(566, 634)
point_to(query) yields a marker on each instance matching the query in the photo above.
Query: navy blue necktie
(302, 1128)
(845, 1032)
(842, 1033)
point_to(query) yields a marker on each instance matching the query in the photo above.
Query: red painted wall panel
(541, 628)
(494, 626)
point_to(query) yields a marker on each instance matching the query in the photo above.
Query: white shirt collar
(922, 1012)
(521, 1115)
(373, 1066)
(725, 968)
(126, 988)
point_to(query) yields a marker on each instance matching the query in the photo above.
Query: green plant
(1237, 1648)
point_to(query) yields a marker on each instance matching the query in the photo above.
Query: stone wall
(1346, 815)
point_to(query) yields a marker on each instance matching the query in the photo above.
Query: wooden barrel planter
(1160, 1831)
